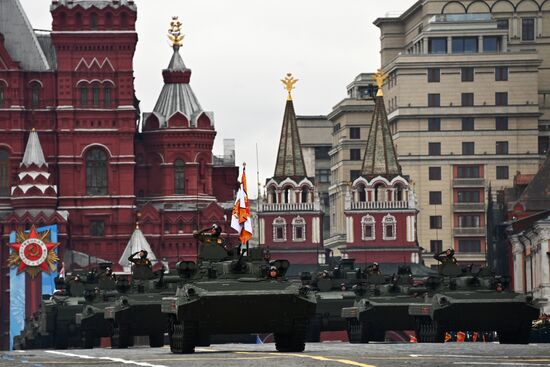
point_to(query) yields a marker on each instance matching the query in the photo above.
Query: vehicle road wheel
(429, 331)
(182, 337)
(156, 340)
(295, 341)
(314, 329)
(120, 338)
(87, 340)
(203, 340)
(356, 332)
(376, 335)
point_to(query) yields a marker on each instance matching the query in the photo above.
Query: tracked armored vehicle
(137, 310)
(476, 301)
(333, 291)
(382, 304)
(232, 293)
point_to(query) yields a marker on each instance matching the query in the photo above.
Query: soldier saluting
(142, 260)
(446, 257)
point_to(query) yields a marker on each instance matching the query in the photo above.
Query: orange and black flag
(240, 219)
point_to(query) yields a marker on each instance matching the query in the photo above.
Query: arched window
(286, 195)
(2, 94)
(107, 95)
(181, 226)
(398, 193)
(83, 95)
(362, 192)
(95, 95)
(304, 194)
(109, 20)
(124, 20)
(179, 177)
(298, 229)
(93, 21)
(368, 232)
(4, 173)
(35, 94)
(389, 224)
(96, 172)
(62, 19)
(167, 227)
(279, 230)
(78, 21)
(271, 196)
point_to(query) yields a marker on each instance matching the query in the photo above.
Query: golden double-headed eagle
(289, 82)
(174, 33)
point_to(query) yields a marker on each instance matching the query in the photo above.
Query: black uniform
(142, 261)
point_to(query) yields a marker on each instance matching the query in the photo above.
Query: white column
(349, 229)
(425, 45)
(480, 44)
(262, 231)
(449, 45)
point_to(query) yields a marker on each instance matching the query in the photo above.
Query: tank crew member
(446, 257)
(142, 260)
(373, 269)
(273, 272)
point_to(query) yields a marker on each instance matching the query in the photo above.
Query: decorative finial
(137, 225)
(174, 33)
(33, 130)
(380, 78)
(289, 82)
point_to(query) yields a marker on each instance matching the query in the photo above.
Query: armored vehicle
(54, 325)
(382, 303)
(475, 301)
(137, 310)
(333, 291)
(232, 293)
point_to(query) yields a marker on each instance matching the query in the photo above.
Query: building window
(434, 149)
(491, 44)
(501, 73)
(181, 227)
(355, 133)
(107, 98)
(298, 229)
(544, 144)
(436, 222)
(467, 74)
(434, 100)
(354, 174)
(437, 45)
(501, 147)
(434, 173)
(336, 128)
(389, 224)
(468, 172)
(2, 95)
(468, 148)
(322, 152)
(368, 228)
(434, 124)
(468, 124)
(528, 29)
(436, 246)
(78, 21)
(95, 95)
(502, 173)
(109, 20)
(93, 21)
(35, 94)
(167, 227)
(468, 196)
(4, 173)
(322, 175)
(501, 123)
(464, 45)
(502, 24)
(355, 154)
(179, 177)
(435, 197)
(469, 221)
(279, 230)
(469, 245)
(83, 96)
(434, 75)
(96, 172)
(467, 99)
(501, 99)
(97, 228)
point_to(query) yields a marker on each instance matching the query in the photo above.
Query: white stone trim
(279, 222)
(368, 220)
(387, 221)
(296, 223)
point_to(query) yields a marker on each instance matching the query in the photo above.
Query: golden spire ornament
(174, 33)
(289, 82)
(380, 78)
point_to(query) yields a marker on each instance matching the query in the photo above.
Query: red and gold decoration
(33, 253)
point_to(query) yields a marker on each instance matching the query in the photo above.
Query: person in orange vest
(448, 337)
(460, 337)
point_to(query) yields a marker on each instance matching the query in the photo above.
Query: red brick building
(290, 214)
(380, 207)
(92, 171)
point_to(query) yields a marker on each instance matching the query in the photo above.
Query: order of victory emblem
(33, 253)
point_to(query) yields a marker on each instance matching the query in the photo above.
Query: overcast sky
(240, 49)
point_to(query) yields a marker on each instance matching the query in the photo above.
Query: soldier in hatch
(446, 257)
(373, 269)
(142, 260)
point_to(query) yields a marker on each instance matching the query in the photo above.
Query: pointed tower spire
(380, 156)
(290, 160)
(33, 152)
